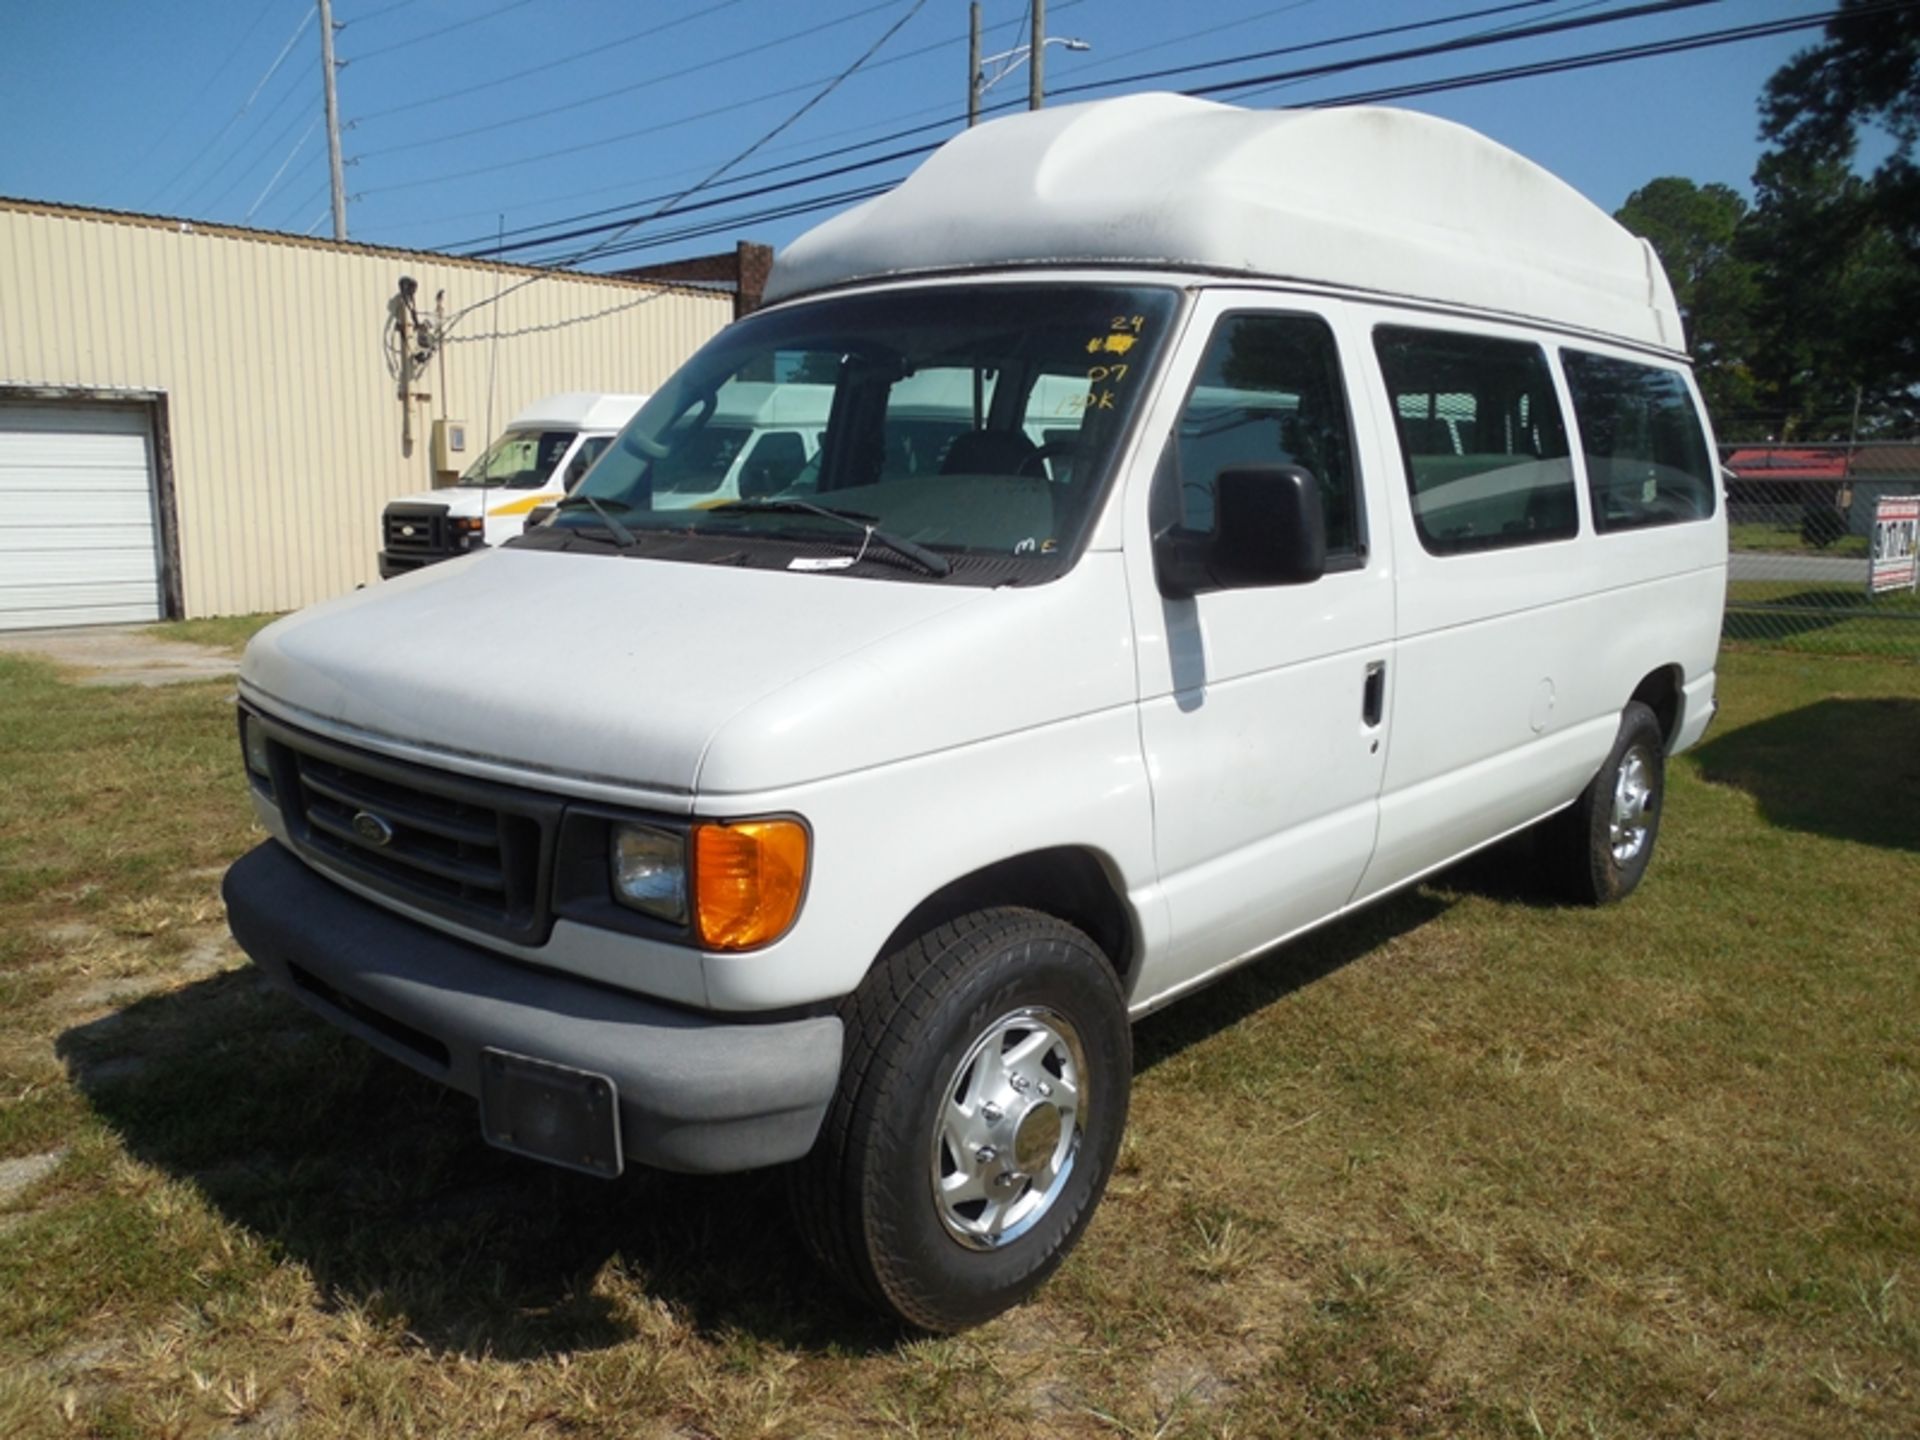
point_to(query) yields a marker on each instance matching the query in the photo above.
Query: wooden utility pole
(333, 121)
(973, 64)
(1036, 57)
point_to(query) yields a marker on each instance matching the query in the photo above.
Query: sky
(464, 118)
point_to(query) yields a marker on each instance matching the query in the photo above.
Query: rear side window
(1483, 439)
(1647, 460)
(1268, 393)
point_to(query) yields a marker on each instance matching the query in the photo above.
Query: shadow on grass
(1505, 872)
(1847, 769)
(376, 1180)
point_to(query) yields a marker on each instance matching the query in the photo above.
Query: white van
(753, 441)
(542, 454)
(851, 824)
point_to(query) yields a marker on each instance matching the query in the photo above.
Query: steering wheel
(1034, 463)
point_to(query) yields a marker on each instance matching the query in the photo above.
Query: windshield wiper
(859, 520)
(603, 509)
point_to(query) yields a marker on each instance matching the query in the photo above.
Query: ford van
(1220, 519)
(543, 452)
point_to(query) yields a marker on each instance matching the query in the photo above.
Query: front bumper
(695, 1093)
(392, 565)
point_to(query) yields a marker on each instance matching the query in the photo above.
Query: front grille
(470, 851)
(417, 532)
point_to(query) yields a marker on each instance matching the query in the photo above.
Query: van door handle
(1373, 698)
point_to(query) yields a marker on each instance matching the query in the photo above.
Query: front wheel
(1598, 850)
(982, 1097)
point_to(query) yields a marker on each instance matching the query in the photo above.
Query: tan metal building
(200, 420)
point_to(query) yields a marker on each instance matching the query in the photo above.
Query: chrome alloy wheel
(1009, 1128)
(1632, 805)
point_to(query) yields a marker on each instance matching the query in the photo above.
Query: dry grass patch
(1461, 1165)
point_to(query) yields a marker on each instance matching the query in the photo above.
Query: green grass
(1464, 1164)
(1817, 618)
(223, 632)
(1787, 539)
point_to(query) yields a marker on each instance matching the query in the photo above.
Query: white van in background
(753, 441)
(541, 455)
(1222, 519)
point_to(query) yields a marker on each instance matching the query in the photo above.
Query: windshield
(978, 423)
(520, 459)
(699, 463)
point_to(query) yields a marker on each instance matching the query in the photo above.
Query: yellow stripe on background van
(523, 507)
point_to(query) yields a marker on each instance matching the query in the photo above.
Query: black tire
(865, 1197)
(1586, 863)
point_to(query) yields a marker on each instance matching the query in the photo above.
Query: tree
(1695, 229)
(1861, 237)
(1866, 71)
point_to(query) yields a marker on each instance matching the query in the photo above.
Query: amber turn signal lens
(747, 879)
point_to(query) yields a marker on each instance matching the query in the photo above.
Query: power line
(627, 184)
(582, 233)
(1351, 63)
(1116, 57)
(306, 19)
(825, 202)
(1383, 32)
(660, 78)
(772, 134)
(376, 14)
(242, 149)
(422, 39)
(298, 145)
(481, 87)
(1415, 52)
(1707, 40)
(1625, 54)
(166, 132)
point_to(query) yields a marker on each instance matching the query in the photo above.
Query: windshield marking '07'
(978, 424)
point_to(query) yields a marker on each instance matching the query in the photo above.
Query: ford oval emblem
(372, 828)
(407, 530)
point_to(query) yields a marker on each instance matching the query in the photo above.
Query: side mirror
(539, 515)
(1270, 528)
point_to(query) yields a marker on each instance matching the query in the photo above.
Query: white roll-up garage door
(79, 544)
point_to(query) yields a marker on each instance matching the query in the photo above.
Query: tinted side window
(582, 462)
(1647, 460)
(1268, 393)
(1484, 443)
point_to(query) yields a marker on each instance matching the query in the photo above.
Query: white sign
(1896, 544)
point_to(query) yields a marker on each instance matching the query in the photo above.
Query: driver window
(1268, 393)
(589, 452)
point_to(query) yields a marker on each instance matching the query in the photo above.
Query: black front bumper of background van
(696, 1092)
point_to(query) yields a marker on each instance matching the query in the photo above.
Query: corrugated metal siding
(285, 429)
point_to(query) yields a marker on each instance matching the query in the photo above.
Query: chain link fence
(1801, 531)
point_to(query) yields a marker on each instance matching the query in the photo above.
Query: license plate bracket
(550, 1112)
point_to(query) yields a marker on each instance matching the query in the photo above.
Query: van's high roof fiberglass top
(1374, 199)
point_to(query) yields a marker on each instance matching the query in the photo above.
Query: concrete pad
(121, 655)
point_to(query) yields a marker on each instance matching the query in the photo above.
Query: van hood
(683, 679)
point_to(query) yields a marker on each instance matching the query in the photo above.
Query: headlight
(469, 531)
(253, 742)
(650, 871)
(748, 877)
